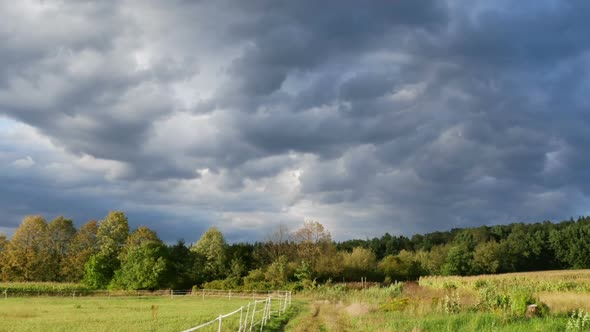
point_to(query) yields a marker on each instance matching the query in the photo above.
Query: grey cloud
(423, 115)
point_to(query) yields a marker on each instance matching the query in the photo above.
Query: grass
(577, 281)
(114, 314)
(476, 303)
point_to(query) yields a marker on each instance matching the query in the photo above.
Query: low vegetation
(479, 303)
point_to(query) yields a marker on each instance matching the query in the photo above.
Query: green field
(478, 303)
(114, 314)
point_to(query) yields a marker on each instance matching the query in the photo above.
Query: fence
(6, 293)
(256, 314)
(249, 320)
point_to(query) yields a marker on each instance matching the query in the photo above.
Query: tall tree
(112, 233)
(144, 267)
(138, 237)
(3, 245)
(111, 236)
(181, 267)
(27, 252)
(313, 241)
(60, 232)
(277, 243)
(82, 247)
(212, 247)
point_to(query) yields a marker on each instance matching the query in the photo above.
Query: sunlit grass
(113, 314)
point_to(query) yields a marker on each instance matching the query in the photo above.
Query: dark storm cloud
(401, 116)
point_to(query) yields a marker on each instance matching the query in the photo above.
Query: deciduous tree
(212, 247)
(27, 252)
(60, 233)
(82, 247)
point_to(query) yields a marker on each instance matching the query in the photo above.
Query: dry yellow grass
(565, 302)
(542, 281)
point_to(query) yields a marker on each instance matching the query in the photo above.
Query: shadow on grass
(277, 324)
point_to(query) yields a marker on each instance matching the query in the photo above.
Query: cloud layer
(400, 117)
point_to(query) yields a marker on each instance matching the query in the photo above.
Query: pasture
(114, 314)
(477, 303)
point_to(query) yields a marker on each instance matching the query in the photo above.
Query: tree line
(106, 254)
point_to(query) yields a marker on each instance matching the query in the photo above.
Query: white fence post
(253, 314)
(247, 315)
(266, 312)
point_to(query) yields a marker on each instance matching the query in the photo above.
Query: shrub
(397, 304)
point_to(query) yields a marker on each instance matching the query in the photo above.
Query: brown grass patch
(565, 302)
(357, 309)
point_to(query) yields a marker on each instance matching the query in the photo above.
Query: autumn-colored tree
(277, 244)
(60, 232)
(212, 247)
(82, 247)
(314, 244)
(3, 245)
(27, 252)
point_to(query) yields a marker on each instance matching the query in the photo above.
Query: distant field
(541, 281)
(475, 303)
(113, 314)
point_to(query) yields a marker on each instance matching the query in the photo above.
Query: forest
(106, 254)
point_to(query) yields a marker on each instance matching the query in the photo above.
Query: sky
(367, 116)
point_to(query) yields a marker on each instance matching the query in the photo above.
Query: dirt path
(328, 317)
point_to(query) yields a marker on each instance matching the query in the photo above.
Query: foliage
(112, 233)
(27, 252)
(212, 247)
(396, 304)
(83, 245)
(359, 263)
(402, 266)
(144, 267)
(99, 271)
(458, 261)
(303, 259)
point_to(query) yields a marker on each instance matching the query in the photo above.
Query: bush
(396, 304)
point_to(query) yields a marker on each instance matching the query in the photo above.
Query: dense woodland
(106, 254)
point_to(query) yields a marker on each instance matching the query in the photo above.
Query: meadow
(114, 314)
(477, 303)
